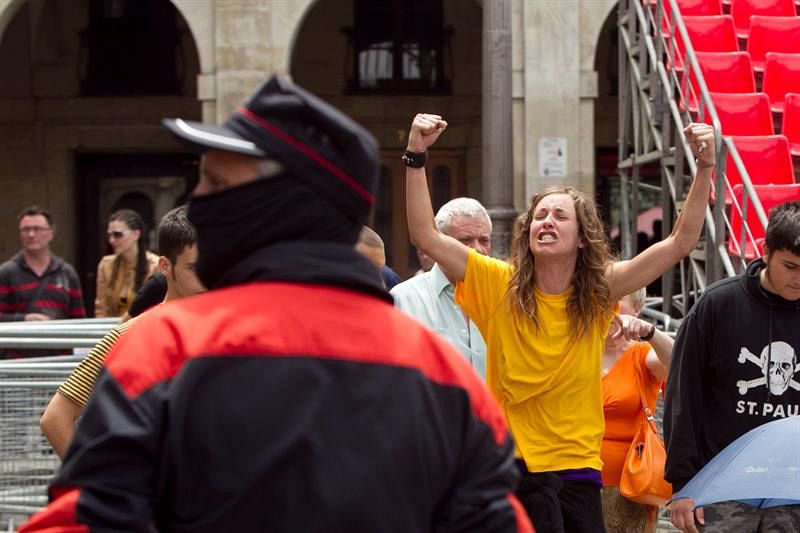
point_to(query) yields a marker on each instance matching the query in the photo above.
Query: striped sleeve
(79, 385)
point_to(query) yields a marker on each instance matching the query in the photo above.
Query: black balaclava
(233, 223)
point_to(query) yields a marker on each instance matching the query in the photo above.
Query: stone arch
(198, 20)
(595, 31)
(604, 55)
(604, 65)
(302, 14)
(8, 9)
(88, 139)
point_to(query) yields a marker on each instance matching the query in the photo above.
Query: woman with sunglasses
(121, 274)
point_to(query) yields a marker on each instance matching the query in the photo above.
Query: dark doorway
(154, 183)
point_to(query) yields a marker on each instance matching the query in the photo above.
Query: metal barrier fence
(27, 462)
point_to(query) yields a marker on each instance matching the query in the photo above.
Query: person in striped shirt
(177, 247)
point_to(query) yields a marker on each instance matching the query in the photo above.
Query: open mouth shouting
(546, 236)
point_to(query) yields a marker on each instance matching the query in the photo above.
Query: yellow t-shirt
(548, 386)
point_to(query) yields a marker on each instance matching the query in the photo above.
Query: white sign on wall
(552, 157)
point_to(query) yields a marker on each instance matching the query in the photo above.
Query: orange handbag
(643, 472)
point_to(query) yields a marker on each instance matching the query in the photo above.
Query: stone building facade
(84, 84)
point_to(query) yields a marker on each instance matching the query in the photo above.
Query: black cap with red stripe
(315, 142)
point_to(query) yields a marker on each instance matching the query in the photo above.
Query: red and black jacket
(60, 297)
(296, 400)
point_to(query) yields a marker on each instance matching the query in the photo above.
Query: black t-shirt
(151, 293)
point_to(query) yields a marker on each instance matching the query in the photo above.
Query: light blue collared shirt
(430, 298)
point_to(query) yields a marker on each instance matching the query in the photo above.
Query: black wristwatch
(415, 159)
(649, 335)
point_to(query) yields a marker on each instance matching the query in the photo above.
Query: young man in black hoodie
(734, 368)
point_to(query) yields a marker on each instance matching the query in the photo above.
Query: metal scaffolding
(656, 101)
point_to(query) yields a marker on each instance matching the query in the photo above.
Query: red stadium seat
(770, 196)
(781, 76)
(698, 7)
(742, 113)
(693, 7)
(724, 72)
(772, 34)
(707, 34)
(690, 8)
(766, 158)
(742, 10)
(790, 127)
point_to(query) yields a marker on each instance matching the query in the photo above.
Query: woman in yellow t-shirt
(544, 315)
(121, 274)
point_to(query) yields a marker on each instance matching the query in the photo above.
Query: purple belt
(589, 476)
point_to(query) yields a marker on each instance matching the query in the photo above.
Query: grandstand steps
(667, 77)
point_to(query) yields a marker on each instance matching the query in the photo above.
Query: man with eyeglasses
(35, 284)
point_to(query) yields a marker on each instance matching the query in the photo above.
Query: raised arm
(628, 276)
(659, 358)
(660, 354)
(445, 250)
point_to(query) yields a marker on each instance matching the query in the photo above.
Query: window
(398, 46)
(132, 47)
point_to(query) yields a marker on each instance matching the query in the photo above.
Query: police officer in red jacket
(292, 396)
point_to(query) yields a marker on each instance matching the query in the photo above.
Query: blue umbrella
(760, 468)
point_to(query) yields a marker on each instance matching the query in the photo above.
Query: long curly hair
(134, 221)
(591, 295)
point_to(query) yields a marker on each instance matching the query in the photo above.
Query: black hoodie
(733, 368)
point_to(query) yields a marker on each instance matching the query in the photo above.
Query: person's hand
(36, 316)
(701, 141)
(631, 327)
(425, 129)
(682, 516)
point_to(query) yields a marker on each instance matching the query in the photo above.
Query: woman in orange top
(622, 405)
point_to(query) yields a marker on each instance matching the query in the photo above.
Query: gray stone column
(496, 124)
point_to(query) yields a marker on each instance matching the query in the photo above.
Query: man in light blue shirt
(430, 297)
